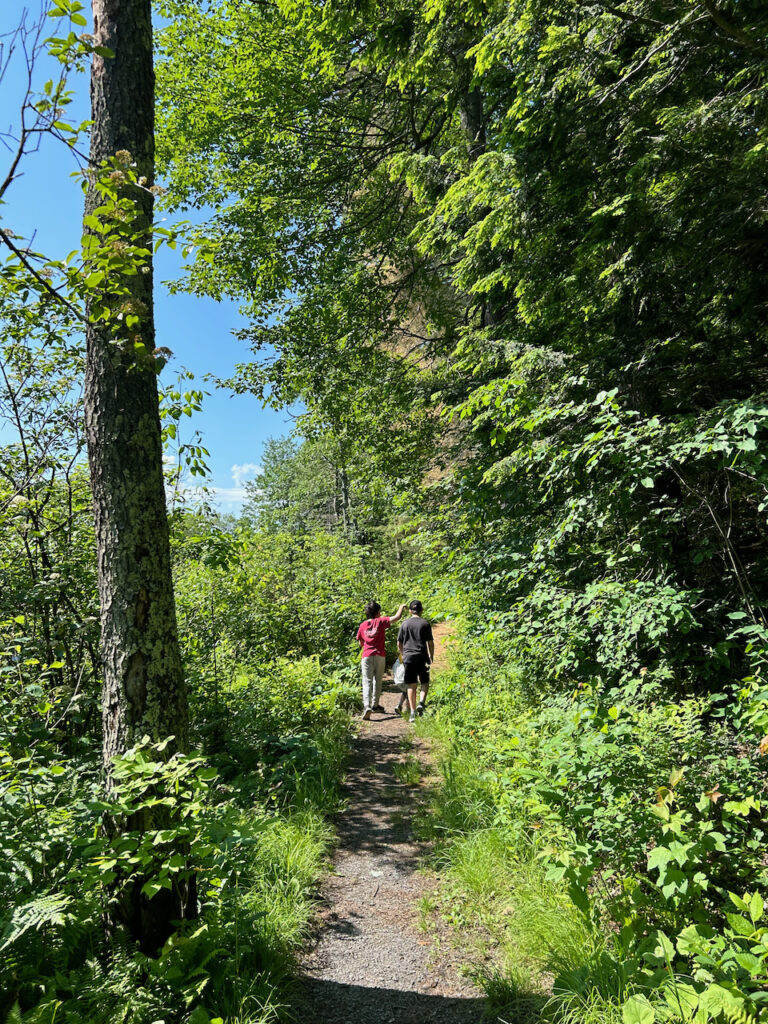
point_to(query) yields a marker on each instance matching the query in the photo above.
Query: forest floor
(371, 963)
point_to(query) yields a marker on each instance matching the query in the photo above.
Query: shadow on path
(371, 964)
(330, 1002)
(376, 818)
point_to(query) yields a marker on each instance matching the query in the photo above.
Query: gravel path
(371, 964)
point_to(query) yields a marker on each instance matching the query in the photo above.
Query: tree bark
(143, 689)
(472, 116)
(473, 123)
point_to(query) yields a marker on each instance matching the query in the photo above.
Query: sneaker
(420, 709)
(379, 708)
(366, 714)
(413, 717)
(399, 709)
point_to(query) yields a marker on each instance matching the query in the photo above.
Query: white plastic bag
(398, 675)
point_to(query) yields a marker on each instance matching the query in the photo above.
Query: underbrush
(280, 732)
(605, 849)
(251, 815)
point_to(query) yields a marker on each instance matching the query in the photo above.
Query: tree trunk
(473, 124)
(350, 520)
(472, 117)
(143, 689)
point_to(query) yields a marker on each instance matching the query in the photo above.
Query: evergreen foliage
(550, 217)
(510, 256)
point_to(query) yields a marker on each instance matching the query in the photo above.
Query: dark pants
(416, 672)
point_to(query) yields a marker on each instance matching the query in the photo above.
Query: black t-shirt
(414, 634)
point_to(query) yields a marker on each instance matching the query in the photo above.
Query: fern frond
(14, 1017)
(44, 910)
(739, 1014)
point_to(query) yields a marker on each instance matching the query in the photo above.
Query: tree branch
(733, 31)
(46, 285)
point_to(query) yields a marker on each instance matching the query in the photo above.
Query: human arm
(397, 615)
(430, 643)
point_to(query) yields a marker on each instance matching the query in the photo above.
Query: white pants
(373, 674)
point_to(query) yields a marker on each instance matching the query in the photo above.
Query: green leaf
(151, 889)
(664, 948)
(740, 925)
(682, 999)
(738, 902)
(754, 965)
(717, 999)
(637, 1010)
(658, 857)
(694, 939)
(756, 907)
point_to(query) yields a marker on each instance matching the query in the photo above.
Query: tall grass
(526, 944)
(264, 838)
(264, 917)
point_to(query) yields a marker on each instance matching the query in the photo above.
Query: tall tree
(143, 691)
(555, 209)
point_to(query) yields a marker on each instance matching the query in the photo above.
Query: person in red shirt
(371, 635)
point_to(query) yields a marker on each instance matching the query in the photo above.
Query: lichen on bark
(143, 689)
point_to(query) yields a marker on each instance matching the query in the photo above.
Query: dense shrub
(644, 810)
(252, 820)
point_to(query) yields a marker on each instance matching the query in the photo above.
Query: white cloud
(228, 499)
(245, 472)
(227, 495)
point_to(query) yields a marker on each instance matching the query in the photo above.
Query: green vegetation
(267, 615)
(510, 256)
(609, 840)
(409, 770)
(539, 227)
(251, 816)
(267, 621)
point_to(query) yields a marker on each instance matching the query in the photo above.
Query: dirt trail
(371, 964)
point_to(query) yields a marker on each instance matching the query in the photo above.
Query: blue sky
(47, 201)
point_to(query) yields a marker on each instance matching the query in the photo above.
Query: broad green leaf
(637, 1010)
(756, 907)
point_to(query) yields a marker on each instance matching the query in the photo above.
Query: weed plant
(408, 771)
(253, 815)
(591, 841)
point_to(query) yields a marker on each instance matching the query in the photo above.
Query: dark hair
(416, 606)
(372, 609)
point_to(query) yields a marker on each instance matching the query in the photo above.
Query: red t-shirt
(372, 635)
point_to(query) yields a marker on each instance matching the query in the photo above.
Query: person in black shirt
(417, 652)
